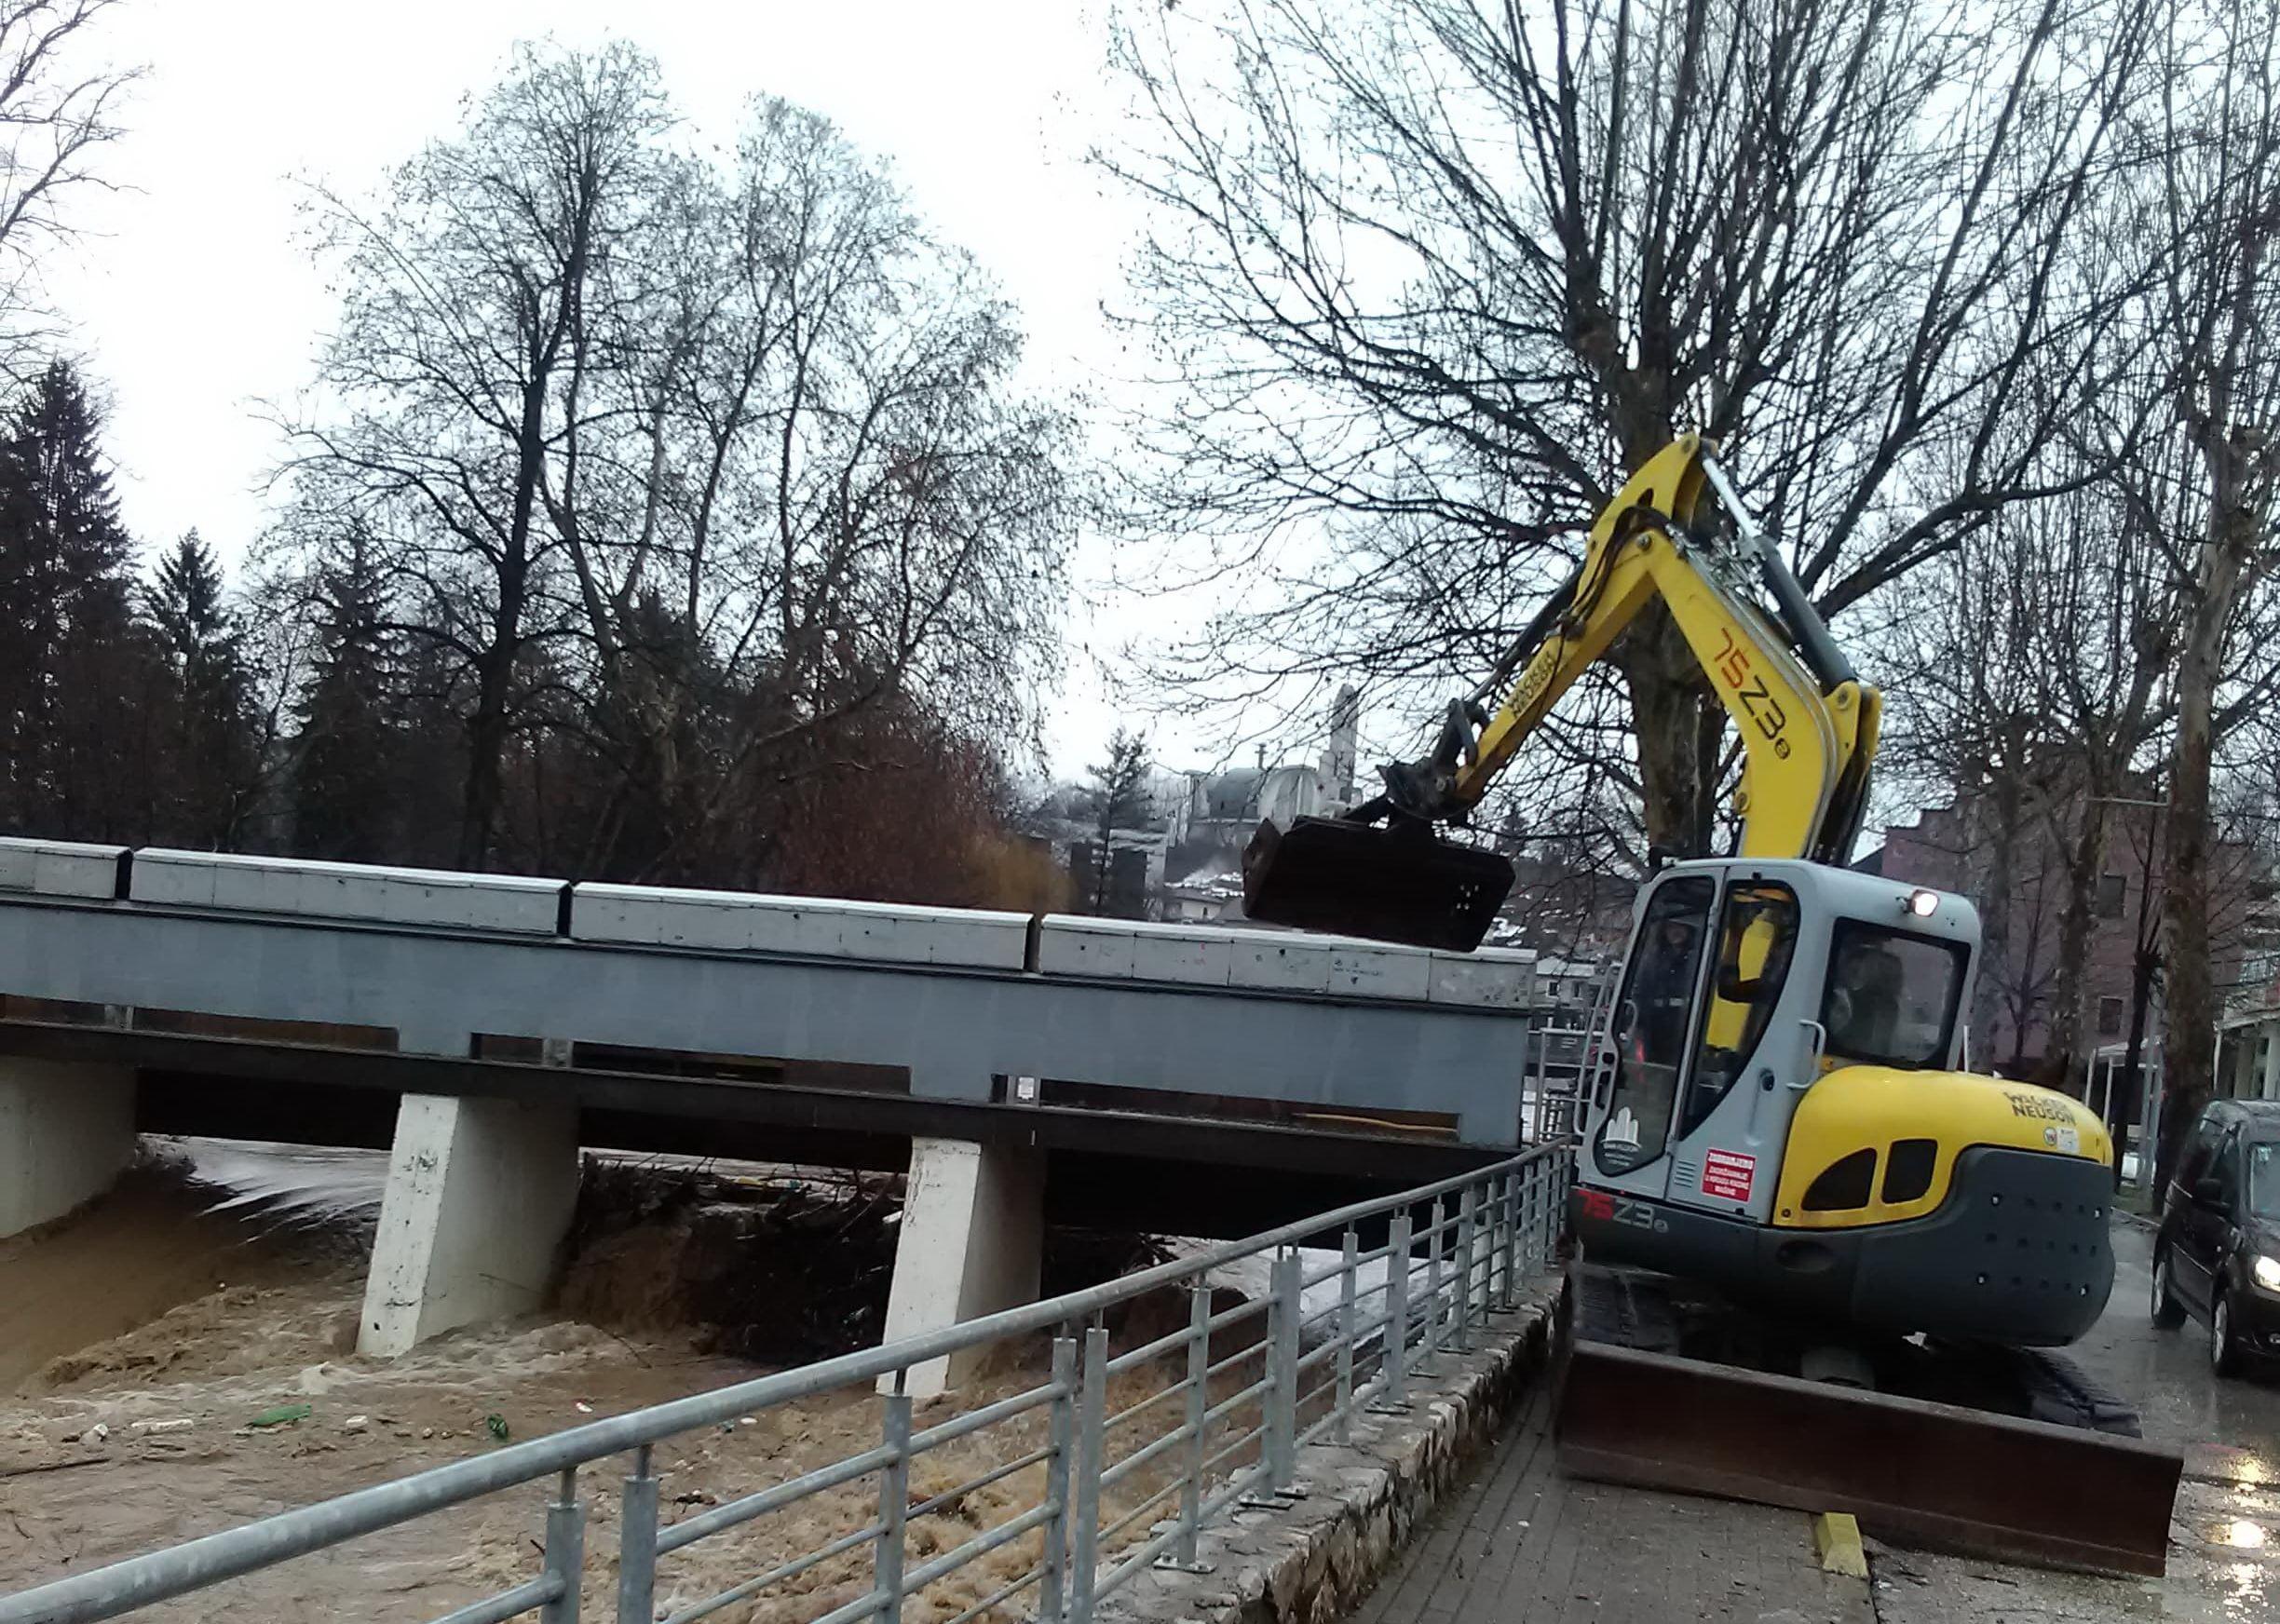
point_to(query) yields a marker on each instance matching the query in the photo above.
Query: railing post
(1282, 1393)
(1524, 1210)
(1084, 1528)
(637, 1534)
(1468, 1263)
(893, 1506)
(566, 1549)
(1435, 1227)
(1508, 1208)
(1183, 1556)
(1543, 1211)
(1492, 1246)
(1061, 1436)
(1396, 1332)
(1349, 1248)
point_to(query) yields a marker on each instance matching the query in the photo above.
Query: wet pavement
(2224, 1537)
(1519, 1540)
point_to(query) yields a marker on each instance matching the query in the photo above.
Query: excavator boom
(1807, 723)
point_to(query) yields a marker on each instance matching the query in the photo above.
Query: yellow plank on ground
(1837, 1542)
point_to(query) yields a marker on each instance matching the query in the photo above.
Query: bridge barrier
(1238, 957)
(62, 868)
(1122, 1455)
(818, 927)
(229, 883)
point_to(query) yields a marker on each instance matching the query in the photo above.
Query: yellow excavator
(1779, 1113)
(1782, 1114)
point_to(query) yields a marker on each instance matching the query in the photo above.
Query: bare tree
(1972, 726)
(455, 358)
(675, 464)
(820, 470)
(1425, 281)
(57, 113)
(2215, 145)
(2036, 704)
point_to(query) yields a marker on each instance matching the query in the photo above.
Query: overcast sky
(198, 300)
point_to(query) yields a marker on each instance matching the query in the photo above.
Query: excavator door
(1712, 1043)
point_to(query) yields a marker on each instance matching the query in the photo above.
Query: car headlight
(2267, 1272)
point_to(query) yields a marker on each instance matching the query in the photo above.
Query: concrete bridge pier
(972, 1242)
(65, 1131)
(479, 1198)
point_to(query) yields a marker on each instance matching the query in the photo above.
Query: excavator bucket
(1395, 883)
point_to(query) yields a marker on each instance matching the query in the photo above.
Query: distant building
(1208, 828)
(1570, 985)
(1223, 810)
(1205, 897)
(1956, 848)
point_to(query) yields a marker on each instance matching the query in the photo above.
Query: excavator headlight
(1923, 904)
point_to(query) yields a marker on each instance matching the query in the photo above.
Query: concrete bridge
(488, 1025)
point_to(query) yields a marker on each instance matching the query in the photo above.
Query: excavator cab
(1747, 980)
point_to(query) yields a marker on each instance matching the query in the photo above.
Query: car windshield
(2264, 1180)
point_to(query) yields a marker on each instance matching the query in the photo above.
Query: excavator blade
(1912, 1471)
(1396, 883)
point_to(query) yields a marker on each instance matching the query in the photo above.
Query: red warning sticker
(1726, 1175)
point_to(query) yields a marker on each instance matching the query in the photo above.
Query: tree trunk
(1994, 898)
(2190, 1043)
(1666, 711)
(2120, 1113)
(2065, 1055)
(486, 734)
(2188, 1046)
(488, 727)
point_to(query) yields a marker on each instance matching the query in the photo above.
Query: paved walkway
(1520, 1542)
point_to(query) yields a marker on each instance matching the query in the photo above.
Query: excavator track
(2018, 1455)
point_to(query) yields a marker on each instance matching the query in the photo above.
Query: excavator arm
(1807, 723)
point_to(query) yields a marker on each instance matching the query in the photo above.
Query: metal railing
(1102, 1460)
(1561, 1059)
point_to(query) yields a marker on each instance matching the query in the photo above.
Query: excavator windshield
(1893, 996)
(1653, 1013)
(1756, 938)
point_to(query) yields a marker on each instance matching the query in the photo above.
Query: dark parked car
(2218, 1253)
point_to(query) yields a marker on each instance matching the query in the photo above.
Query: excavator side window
(1652, 1014)
(1892, 996)
(1756, 938)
